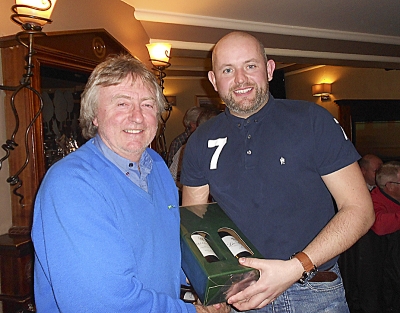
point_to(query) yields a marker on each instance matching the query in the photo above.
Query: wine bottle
(200, 240)
(236, 248)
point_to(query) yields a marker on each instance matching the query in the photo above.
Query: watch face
(308, 275)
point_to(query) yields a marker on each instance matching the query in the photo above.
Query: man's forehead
(235, 41)
(250, 49)
(130, 88)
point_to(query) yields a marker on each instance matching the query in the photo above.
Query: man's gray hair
(387, 173)
(192, 115)
(109, 73)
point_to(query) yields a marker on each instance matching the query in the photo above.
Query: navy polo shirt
(265, 171)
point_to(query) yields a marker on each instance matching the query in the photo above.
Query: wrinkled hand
(215, 308)
(275, 277)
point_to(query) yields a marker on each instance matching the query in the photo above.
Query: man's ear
(95, 123)
(363, 171)
(211, 78)
(270, 69)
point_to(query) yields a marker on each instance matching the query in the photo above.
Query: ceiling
(296, 34)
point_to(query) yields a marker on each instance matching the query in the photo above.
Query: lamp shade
(319, 90)
(159, 53)
(46, 8)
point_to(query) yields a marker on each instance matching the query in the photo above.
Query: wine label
(234, 245)
(203, 245)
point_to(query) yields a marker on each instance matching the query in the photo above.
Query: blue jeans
(312, 297)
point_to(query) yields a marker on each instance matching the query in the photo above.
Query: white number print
(344, 134)
(219, 143)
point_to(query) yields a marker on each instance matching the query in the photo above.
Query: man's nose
(136, 114)
(240, 76)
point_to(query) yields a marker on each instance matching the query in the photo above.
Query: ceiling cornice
(289, 52)
(223, 23)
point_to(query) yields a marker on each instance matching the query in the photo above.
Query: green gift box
(214, 282)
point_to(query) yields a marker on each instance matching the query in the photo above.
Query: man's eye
(227, 71)
(251, 66)
(121, 104)
(148, 105)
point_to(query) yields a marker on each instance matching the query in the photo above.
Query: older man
(386, 200)
(106, 217)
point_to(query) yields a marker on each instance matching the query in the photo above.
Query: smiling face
(127, 117)
(240, 74)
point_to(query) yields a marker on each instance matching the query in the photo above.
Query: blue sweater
(102, 244)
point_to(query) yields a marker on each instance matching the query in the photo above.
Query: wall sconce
(322, 90)
(159, 54)
(31, 15)
(159, 57)
(35, 13)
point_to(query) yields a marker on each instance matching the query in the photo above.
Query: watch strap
(304, 260)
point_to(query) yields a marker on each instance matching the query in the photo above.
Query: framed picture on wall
(210, 102)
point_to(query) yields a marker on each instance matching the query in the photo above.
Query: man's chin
(244, 108)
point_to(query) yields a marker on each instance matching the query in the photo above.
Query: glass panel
(379, 138)
(61, 90)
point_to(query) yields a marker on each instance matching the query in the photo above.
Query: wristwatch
(309, 268)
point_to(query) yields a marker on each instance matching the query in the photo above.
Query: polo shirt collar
(255, 118)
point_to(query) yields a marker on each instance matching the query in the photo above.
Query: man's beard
(247, 106)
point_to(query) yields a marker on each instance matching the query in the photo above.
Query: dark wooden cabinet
(74, 52)
(352, 111)
(16, 267)
(373, 125)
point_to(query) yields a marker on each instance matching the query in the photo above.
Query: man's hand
(275, 277)
(215, 308)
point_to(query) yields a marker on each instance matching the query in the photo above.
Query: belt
(324, 276)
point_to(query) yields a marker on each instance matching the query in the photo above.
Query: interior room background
(347, 82)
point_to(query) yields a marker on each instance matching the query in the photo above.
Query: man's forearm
(344, 229)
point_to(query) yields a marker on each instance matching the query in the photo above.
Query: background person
(386, 200)
(273, 165)
(190, 123)
(361, 264)
(176, 165)
(106, 217)
(369, 164)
